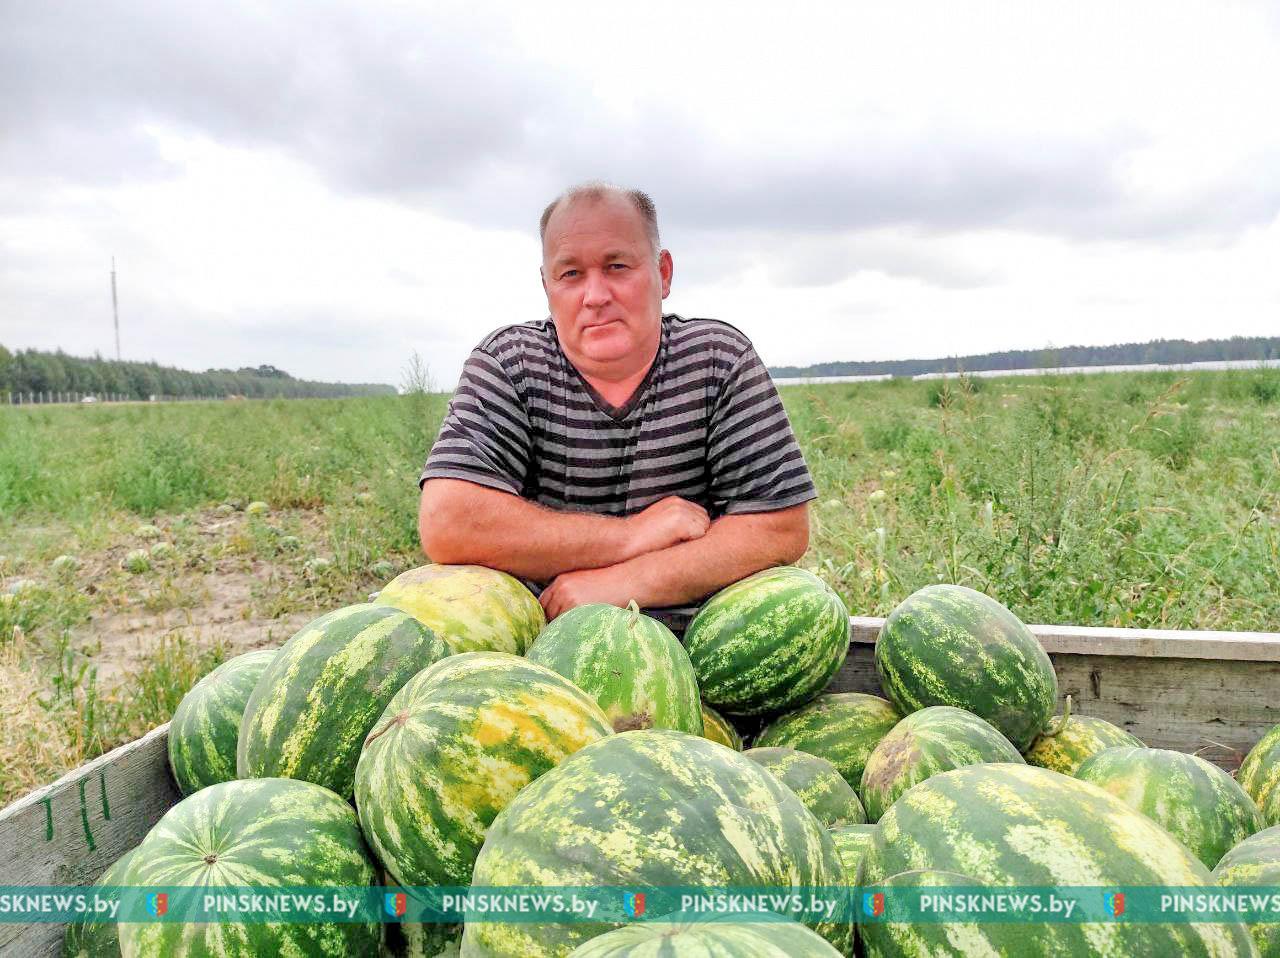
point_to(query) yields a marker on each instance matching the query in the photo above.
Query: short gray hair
(596, 190)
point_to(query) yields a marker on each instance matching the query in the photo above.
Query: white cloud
(326, 188)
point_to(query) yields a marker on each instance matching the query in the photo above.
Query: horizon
(772, 366)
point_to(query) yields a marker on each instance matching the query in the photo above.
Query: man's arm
(734, 547)
(464, 523)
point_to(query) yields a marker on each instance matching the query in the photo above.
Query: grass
(1126, 500)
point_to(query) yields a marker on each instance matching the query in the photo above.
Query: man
(611, 451)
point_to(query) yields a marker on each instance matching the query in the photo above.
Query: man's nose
(597, 292)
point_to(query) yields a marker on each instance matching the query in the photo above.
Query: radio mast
(115, 309)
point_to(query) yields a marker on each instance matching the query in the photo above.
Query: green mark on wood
(48, 818)
(84, 818)
(102, 790)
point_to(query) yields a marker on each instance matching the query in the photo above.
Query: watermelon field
(141, 546)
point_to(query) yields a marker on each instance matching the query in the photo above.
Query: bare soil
(122, 641)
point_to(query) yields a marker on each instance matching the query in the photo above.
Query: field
(1128, 500)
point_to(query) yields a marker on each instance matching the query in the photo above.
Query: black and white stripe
(706, 425)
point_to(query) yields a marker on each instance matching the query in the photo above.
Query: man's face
(604, 286)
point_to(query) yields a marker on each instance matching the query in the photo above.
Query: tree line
(1163, 351)
(35, 371)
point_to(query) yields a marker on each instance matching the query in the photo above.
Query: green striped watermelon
(886, 939)
(815, 781)
(1082, 737)
(852, 842)
(842, 727)
(768, 643)
(650, 808)
(263, 833)
(708, 939)
(1198, 803)
(717, 728)
(932, 740)
(99, 939)
(948, 645)
(1255, 862)
(1259, 774)
(452, 750)
(1017, 825)
(206, 724)
(473, 608)
(315, 703)
(632, 665)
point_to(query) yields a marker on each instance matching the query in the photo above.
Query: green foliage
(33, 371)
(1126, 500)
(1160, 351)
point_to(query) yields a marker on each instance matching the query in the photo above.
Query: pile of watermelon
(446, 735)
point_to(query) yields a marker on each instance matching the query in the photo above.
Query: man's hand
(666, 523)
(734, 547)
(572, 589)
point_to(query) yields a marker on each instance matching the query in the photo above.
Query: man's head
(605, 277)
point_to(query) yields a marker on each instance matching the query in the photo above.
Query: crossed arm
(668, 554)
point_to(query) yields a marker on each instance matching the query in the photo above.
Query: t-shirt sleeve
(754, 460)
(485, 436)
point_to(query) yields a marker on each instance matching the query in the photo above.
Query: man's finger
(546, 597)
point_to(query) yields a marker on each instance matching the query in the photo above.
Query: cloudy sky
(329, 186)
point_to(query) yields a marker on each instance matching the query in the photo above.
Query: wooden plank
(1141, 643)
(68, 833)
(1222, 707)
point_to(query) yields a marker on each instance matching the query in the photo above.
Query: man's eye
(569, 274)
(617, 265)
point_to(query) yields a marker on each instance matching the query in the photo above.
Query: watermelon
(708, 939)
(206, 724)
(933, 740)
(649, 808)
(1255, 862)
(98, 939)
(717, 728)
(1017, 825)
(948, 645)
(315, 703)
(1200, 804)
(768, 643)
(852, 842)
(632, 665)
(1259, 774)
(473, 608)
(891, 939)
(842, 727)
(267, 833)
(64, 565)
(815, 781)
(1081, 737)
(452, 750)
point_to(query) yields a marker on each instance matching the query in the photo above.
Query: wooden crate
(1213, 692)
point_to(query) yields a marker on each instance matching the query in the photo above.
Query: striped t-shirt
(706, 424)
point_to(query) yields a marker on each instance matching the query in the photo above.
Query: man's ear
(542, 274)
(666, 269)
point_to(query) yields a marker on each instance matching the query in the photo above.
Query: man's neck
(617, 382)
(618, 392)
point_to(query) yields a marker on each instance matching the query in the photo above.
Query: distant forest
(33, 371)
(1157, 351)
